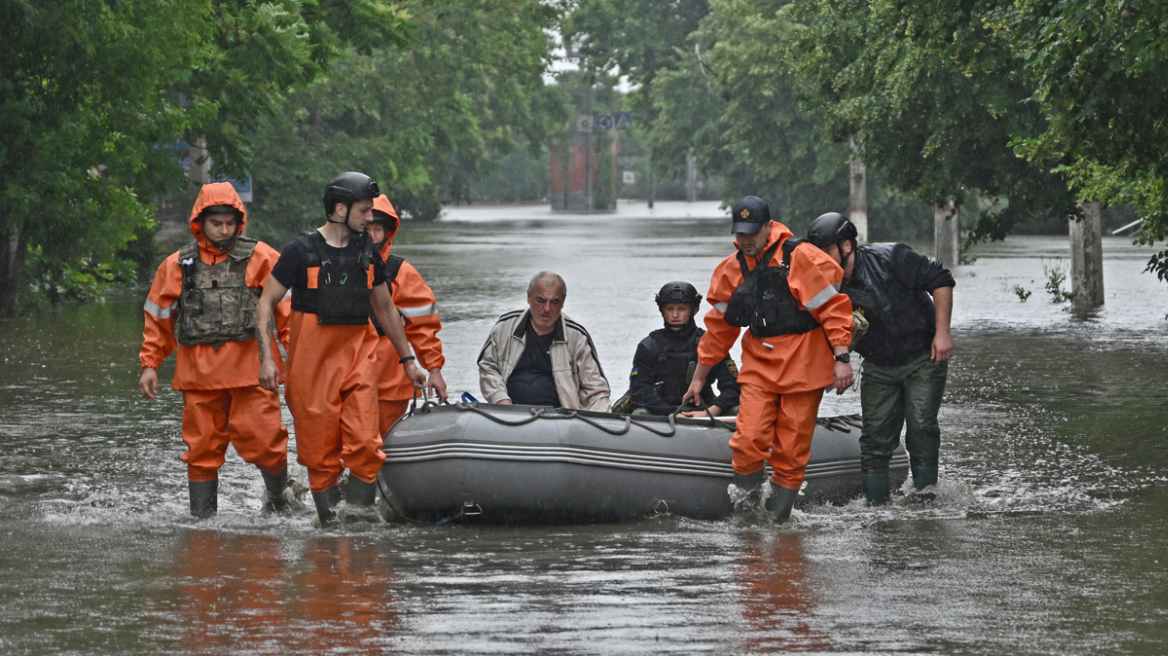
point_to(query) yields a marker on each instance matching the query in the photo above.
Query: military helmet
(220, 209)
(678, 291)
(749, 215)
(829, 229)
(348, 188)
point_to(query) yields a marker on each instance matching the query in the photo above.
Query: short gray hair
(547, 275)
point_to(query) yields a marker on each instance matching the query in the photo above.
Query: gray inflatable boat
(503, 464)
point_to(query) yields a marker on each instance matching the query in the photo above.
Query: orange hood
(382, 204)
(779, 232)
(216, 193)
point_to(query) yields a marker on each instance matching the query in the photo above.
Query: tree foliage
(425, 119)
(93, 91)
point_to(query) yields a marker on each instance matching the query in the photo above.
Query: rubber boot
(204, 498)
(750, 486)
(781, 502)
(359, 493)
(875, 487)
(924, 476)
(275, 485)
(326, 504)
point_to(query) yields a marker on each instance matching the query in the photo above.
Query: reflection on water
(1046, 536)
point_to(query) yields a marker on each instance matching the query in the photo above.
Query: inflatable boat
(504, 464)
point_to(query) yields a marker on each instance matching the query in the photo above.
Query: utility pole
(691, 177)
(588, 149)
(858, 183)
(947, 235)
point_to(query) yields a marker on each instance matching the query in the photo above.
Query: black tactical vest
(764, 301)
(343, 287)
(390, 268)
(216, 305)
(676, 361)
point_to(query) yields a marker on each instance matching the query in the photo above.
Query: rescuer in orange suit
(418, 309)
(203, 301)
(797, 320)
(334, 274)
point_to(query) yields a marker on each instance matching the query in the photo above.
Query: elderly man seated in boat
(540, 356)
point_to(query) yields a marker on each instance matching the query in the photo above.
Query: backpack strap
(392, 265)
(788, 246)
(763, 260)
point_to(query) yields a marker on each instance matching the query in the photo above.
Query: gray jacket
(580, 382)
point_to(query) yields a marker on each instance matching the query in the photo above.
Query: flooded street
(1047, 536)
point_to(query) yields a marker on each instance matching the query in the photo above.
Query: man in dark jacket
(907, 299)
(665, 361)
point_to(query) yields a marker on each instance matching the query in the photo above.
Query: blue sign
(623, 120)
(603, 122)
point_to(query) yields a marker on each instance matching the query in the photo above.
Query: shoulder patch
(731, 366)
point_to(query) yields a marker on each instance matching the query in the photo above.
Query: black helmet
(749, 215)
(831, 228)
(349, 188)
(220, 209)
(678, 291)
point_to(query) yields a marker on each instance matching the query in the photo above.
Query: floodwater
(1047, 535)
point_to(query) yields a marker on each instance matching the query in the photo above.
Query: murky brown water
(1047, 536)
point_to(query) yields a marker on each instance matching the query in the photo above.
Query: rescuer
(907, 299)
(665, 361)
(419, 311)
(785, 293)
(334, 273)
(203, 301)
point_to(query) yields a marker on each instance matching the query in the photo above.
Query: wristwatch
(843, 357)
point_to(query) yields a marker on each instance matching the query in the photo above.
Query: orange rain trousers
(331, 390)
(388, 412)
(247, 417)
(776, 428)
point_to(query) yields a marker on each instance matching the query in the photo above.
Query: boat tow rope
(556, 413)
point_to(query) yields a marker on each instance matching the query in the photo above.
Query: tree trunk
(12, 254)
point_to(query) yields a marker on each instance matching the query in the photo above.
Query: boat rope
(560, 413)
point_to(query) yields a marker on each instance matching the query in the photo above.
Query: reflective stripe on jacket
(784, 363)
(419, 311)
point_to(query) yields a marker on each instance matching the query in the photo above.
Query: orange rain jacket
(785, 363)
(419, 310)
(201, 366)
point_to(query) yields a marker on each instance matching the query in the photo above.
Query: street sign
(629, 177)
(623, 120)
(603, 122)
(584, 122)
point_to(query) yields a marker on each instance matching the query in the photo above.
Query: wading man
(334, 274)
(203, 301)
(665, 361)
(797, 344)
(539, 356)
(907, 299)
(419, 311)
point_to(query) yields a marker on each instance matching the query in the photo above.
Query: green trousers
(890, 397)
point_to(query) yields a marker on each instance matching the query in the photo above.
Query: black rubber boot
(326, 504)
(875, 487)
(781, 502)
(750, 487)
(204, 498)
(924, 476)
(274, 500)
(359, 493)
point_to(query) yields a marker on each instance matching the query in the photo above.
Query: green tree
(935, 102)
(92, 92)
(426, 120)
